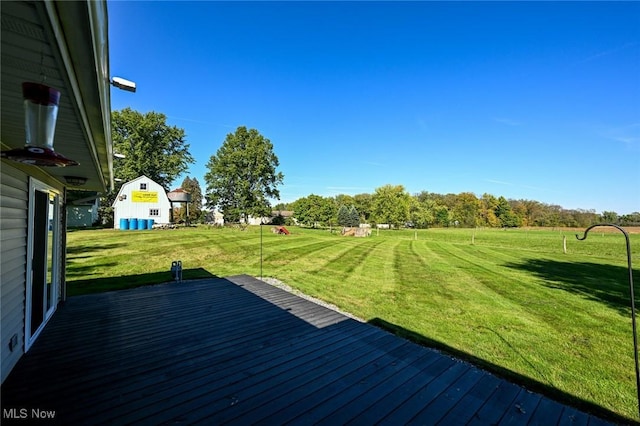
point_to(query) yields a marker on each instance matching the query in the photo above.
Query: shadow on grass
(89, 250)
(606, 284)
(84, 271)
(511, 376)
(98, 285)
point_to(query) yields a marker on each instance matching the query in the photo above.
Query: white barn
(141, 198)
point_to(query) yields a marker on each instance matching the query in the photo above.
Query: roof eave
(91, 87)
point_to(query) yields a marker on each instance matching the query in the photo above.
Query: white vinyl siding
(124, 206)
(13, 239)
(14, 210)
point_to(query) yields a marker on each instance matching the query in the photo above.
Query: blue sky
(537, 101)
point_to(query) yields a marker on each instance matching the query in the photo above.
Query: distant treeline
(391, 204)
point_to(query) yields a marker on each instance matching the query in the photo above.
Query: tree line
(393, 205)
(242, 178)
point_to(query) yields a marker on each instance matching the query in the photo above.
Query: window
(154, 212)
(143, 187)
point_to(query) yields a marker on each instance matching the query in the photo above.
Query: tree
(442, 216)
(192, 186)
(344, 199)
(343, 216)
(505, 214)
(282, 206)
(390, 204)
(466, 209)
(362, 203)
(146, 145)
(242, 176)
(488, 204)
(150, 147)
(631, 219)
(314, 210)
(422, 213)
(354, 217)
(609, 217)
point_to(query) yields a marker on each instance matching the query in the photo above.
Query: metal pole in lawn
(633, 302)
(260, 249)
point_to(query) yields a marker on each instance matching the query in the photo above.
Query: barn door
(43, 258)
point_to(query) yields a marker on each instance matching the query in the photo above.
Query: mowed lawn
(511, 301)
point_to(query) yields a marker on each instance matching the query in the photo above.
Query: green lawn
(512, 301)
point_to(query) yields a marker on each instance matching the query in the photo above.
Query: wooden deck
(240, 351)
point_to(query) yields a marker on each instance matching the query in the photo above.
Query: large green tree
(466, 209)
(391, 204)
(315, 210)
(362, 203)
(144, 144)
(505, 214)
(422, 213)
(242, 175)
(150, 147)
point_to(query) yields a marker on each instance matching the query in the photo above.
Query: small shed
(141, 199)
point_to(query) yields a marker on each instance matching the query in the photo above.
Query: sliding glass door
(43, 261)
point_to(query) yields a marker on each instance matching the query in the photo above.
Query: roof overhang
(66, 44)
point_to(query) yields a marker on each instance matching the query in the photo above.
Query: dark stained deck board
(463, 411)
(305, 384)
(204, 373)
(393, 400)
(433, 390)
(224, 393)
(571, 417)
(374, 391)
(344, 387)
(521, 412)
(504, 396)
(150, 357)
(240, 351)
(438, 406)
(547, 412)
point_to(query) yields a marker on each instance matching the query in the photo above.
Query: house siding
(14, 211)
(14, 191)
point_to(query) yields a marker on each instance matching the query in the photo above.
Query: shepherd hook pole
(633, 302)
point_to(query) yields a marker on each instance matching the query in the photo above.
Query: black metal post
(260, 249)
(633, 301)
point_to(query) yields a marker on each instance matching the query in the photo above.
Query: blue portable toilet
(124, 224)
(133, 224)
(142, 223)
(149, 223)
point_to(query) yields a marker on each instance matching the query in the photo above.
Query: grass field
(512, 301)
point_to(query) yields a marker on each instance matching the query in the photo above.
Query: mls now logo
(15, 413)
(23, 413)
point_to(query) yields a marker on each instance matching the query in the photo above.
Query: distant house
(285, 214)
(83, 212)
(215, 218)
(141, 198)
